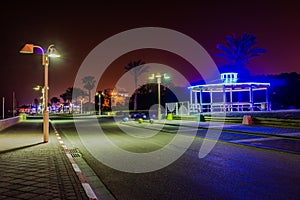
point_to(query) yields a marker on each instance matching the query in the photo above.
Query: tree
(67, 96)
(239, 49)
(89, 84)
(72, 94)
(36, 102)
(77, 92)
(54, 100)
(136, 68)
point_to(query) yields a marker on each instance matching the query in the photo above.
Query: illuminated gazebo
(229, 96)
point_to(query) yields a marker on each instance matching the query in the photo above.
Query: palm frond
(226, 50)
(239, 49)
(223, 55)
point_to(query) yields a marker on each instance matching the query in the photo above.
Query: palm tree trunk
(89, 96)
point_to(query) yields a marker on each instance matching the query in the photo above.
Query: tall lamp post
(158, 77)
(3, 100)
(50, 52)
(81, 101)
(99, 103)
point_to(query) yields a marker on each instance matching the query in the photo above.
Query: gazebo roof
(229, 83)
(234, 87)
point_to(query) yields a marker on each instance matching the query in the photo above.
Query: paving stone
(38, 170)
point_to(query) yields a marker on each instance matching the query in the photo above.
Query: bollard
(170, 116)
(200, 118)
(23, 116)
(247, 120)
(125, 119)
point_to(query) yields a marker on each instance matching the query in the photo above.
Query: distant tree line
(284, 92)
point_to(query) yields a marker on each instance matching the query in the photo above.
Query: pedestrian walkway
(277, 131)
(31, 169)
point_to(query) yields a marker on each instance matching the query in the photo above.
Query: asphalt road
(229, 171)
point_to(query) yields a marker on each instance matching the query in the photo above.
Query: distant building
(119, 98)
(111, 99)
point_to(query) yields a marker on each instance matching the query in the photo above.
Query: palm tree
(64, 97)
(71, 94)
(67, 96)
(136, 68)
(239, 49)
(89, 84)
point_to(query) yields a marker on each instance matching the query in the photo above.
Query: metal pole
(99, 103)
(81, 106)
(13, 104)
(158, 91)
(43, 100)
(46, 110)
(3, 100)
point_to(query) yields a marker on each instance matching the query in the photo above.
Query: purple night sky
(76, 29)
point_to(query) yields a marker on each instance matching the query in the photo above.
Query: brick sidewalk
(31, 169)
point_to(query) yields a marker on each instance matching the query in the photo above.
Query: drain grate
(75, 153)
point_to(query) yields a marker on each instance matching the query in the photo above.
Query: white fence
(178, 108)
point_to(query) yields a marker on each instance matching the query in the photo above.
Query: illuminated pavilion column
(224, 98)
(267, 99)
(211, 99)
(196, 100)
(191, 98)
(251, 97)
(200, 99)
(230, 99)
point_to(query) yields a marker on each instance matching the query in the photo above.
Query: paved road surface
(229, 171)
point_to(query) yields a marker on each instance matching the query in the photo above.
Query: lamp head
(37, 87)
(52, 52)
(152, 77)
(166, 76)
(27, 48)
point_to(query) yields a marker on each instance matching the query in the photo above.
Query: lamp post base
(46, 126)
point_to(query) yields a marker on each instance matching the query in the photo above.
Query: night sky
(77, 28)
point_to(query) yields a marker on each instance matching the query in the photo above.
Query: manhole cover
(75, 153)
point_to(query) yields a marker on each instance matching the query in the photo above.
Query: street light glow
(53, 53)
(37, 88)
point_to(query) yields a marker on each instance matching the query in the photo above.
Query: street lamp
(158, 77)
(81, 101)
(99, 103)
(50, 52)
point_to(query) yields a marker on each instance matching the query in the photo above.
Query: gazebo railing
(229, 107)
